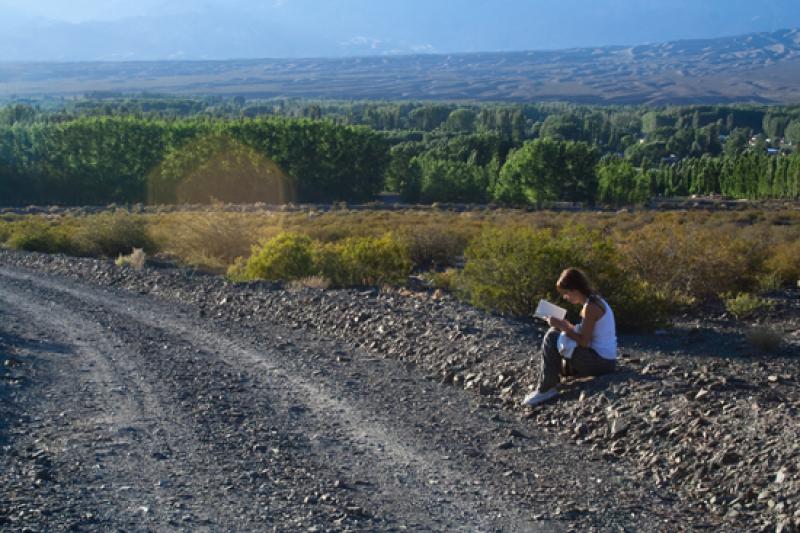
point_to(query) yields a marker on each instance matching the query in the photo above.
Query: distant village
(774, 147)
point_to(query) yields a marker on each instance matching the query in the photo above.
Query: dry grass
(135, 260)
(311, 282)
(211, 240)
(683, 254)
(784, 261)
(688, 254)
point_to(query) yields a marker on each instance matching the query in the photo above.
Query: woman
(595, 338)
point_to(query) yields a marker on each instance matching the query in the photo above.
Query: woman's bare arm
(592, 314)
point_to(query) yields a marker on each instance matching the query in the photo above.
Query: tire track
(127, 418)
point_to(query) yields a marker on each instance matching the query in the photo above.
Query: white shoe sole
(536, 399)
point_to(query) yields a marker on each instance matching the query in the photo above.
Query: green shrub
(328, 263)
(354, 261)
(364, 261)
(38, 235)
(112, 235)
(638, 306)
(103, 235)
(284, 257)
(688, 262)
(768, 282)
(433, 246)
(745, 305)
(510, 270)
(6, 229)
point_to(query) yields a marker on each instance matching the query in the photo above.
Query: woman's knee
(550, 342)
(551, 337)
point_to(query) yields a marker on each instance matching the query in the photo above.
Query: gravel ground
(253, 407)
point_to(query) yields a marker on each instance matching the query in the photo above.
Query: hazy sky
(158, 29)
(76, 11)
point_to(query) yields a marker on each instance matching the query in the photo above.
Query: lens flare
(217, 168)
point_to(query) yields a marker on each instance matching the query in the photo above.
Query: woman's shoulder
(596, 304)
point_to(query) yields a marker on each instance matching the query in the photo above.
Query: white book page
(546, 310)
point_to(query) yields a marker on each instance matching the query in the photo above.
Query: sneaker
(537, 397)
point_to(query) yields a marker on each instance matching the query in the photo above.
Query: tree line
(541, 171)
(161, 149)
(99, 160)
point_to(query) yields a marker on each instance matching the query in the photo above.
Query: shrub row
(354, 261)
(103, 235)
(647, 265)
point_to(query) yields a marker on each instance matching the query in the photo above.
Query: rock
(619, 427)
(486, 388)
(728, 458)
(732, 514)
(516, 433)
(448, 378)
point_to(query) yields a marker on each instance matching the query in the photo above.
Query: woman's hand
(558, 323)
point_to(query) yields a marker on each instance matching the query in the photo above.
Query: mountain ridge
(760, 67)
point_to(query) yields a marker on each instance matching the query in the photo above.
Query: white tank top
(604, 336)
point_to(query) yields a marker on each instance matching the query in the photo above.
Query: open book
(546, 310)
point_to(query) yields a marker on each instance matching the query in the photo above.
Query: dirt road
(123, 411)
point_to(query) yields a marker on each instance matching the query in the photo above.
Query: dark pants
(584, 362)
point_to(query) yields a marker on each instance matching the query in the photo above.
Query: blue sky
(216, 29)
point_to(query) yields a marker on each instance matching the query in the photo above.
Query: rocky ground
(392, 410)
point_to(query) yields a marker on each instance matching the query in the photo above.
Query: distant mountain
(204, 32)
(759, 67)
(153, 30)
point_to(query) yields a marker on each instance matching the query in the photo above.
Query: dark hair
(573, 279)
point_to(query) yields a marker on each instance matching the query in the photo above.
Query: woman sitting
(590, 347)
